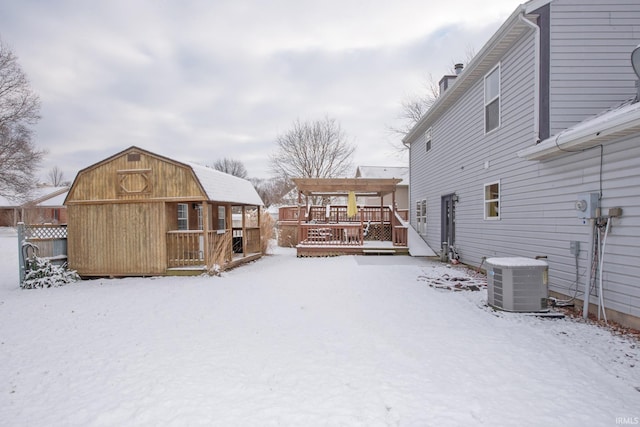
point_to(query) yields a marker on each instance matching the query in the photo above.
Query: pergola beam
(342, 186)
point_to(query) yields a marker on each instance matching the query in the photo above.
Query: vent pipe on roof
(458, 68)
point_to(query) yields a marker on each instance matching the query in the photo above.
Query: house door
(448, 220)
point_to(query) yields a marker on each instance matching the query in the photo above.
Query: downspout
(536, 79)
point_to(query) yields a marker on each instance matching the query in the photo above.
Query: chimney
(447, 80)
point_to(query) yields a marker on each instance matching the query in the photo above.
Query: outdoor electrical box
(574, 247)
(587, 205)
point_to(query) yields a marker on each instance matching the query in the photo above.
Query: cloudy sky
(203, 80)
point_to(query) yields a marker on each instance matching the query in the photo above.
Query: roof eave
(490, 53)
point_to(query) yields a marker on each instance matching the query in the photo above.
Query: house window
(427, 139)
(200, 222)
(221, 218)
(421, 216)
(492, 100)
(492, 200)
(183, 216)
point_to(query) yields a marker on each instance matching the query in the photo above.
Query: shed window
(221, 218)
(183, 216)
(492, 200)
(492, 100)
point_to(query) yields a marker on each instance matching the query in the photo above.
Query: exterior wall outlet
(574, 247)
(615, 212)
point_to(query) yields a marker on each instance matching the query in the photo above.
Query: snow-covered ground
(345, 341)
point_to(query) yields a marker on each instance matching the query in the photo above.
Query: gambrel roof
(194, 182)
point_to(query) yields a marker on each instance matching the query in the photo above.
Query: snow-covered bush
(40, 273)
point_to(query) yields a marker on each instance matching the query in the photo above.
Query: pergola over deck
(339, 231)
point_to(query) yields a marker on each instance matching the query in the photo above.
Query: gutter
(610, 126)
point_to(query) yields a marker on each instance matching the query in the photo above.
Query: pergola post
(393, 218)
(299, 217)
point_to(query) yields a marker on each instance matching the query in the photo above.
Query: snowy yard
(286, 341)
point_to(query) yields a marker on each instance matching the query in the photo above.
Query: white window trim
(489, 101)
(420, 218)
(200, 217)
(185, 206)
(223, 219)
(427, 140)
(487, 201)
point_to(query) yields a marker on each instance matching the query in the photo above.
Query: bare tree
(19, 110)
(56, 177)
(317, 149)
(272, 191)
(414, 106)
(231, 166)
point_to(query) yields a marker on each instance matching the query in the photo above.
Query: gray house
(533, 150)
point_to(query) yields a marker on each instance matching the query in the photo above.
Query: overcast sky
(203, 80)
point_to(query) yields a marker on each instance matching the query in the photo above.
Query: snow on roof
(55, 200)
(401, 172)
(223, 187)
(6, 202)
(516, 262)
(44, 194)
(614, 123)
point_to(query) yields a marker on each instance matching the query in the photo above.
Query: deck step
(379, 251)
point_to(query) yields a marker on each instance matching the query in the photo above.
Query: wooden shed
(140, 214)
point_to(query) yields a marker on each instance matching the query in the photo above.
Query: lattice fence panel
(46, 231)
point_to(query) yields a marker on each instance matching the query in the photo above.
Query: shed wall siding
(117, 239)
(591, 44)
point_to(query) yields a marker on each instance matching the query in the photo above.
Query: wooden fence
(42, 240)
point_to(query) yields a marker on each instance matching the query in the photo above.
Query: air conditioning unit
(517, 284)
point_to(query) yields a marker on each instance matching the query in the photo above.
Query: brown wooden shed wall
(122, 239)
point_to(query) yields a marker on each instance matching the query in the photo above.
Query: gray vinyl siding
(537, 198)
(590, 50)
(460, 148)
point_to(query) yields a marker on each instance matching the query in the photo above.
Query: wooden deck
(367, 248)
(196, 270)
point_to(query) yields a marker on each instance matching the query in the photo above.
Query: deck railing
(348, 234)
(186, 248)
(250, 239)
(335, 214)
(400, 232)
